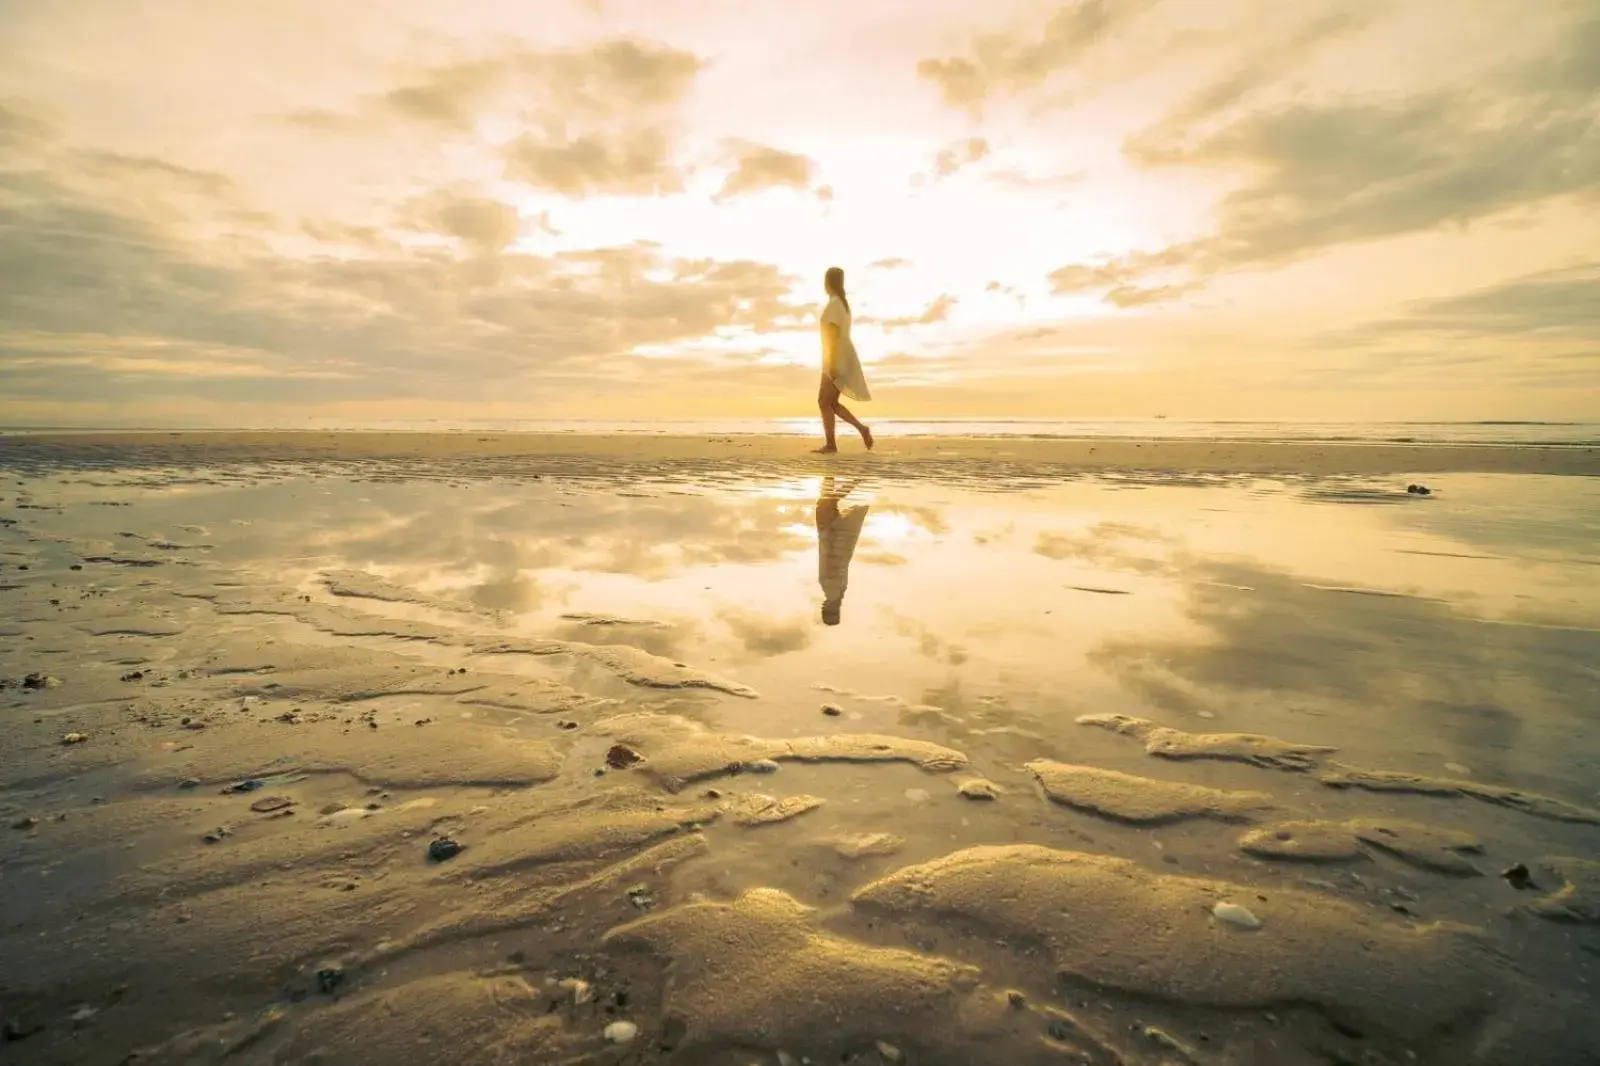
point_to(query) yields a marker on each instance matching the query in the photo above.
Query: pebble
(581, 993)
(268, 804)
(329, 978)
(27, 821)
(1519, 877)
(889, 1052)
(189, 782)
(217, 834)
(621, 1032)
(1016, 999)
(641, 897)
(443, 848)
(620, 757)
(75, 738)
(832, 710)
(1236, 915)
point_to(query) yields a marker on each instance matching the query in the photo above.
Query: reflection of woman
(841, 367)
(837, 533)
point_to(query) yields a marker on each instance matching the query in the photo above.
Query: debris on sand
(1519, 877)
(621, 1032)
(36, 681)
(217, 835)
(444, 848)
(620, 757)
(74, 738)
(1234, 914)
(1141, 800)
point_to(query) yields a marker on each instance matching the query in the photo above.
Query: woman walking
(841, 368)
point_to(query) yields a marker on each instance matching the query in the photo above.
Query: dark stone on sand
(135, 675)
(15, 1029)
(641, 896)
(832, 710)
(1519, 877)
(247, 785)
(189, 782)
(620, 757)
(329, 979)
(216, 835)
(443, 848)
(1419, 490)
(267, 804)
(27, 821)
(36, 681)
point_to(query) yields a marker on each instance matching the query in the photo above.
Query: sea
(1480, 432)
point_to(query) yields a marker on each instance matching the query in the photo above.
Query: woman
(841, 369)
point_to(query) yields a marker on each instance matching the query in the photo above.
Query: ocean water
(1482, 432)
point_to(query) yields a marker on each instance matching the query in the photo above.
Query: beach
(384, 747)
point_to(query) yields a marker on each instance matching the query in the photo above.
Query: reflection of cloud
(1110, 544)
(929, 644)
(1374, 657)
(768, 636)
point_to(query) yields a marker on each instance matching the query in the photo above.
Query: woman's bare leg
(827, 401)
(861, 427)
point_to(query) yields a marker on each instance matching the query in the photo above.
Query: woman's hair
(833, 281)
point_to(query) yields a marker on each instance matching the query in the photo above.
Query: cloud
(1561, 304)
(106, 300)
(758, 166)
(487, 226)
(1010, 63)
(936, 311)
(23, 126)
(625, 164)
(961, 154)
(611, 79)
(1345, 170)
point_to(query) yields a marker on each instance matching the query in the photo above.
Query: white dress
(846, 371)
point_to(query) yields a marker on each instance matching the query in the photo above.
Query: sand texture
(402, 750)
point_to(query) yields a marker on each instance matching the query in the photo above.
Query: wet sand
(387, 748)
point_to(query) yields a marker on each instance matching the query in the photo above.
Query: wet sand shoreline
(1242, 457)
(336, 752)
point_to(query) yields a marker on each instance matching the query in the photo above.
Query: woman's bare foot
(826, 449)
(866, 436)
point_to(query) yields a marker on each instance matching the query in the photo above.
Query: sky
(292, 211)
